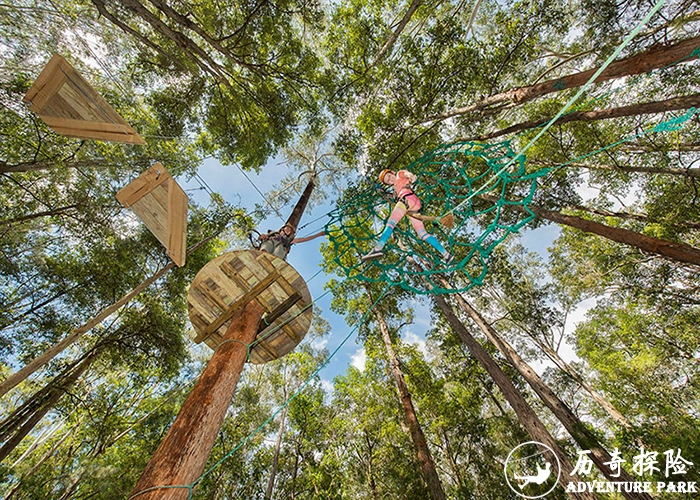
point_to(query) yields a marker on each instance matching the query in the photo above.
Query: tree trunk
(682, 172)
(646, 108)
(675, 251)
(39, 215)
(180, 459)
(275, 458)
(29, 414)
(395, 35)
(52, 352)
(653, 58)
(425, 459)
(577, 429)
(527, 416)
(578, 378)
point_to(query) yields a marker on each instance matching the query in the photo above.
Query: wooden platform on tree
(159, 201)
(67, 103)
(226, 284)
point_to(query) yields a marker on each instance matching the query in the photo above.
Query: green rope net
(457, 179)
(479, 184)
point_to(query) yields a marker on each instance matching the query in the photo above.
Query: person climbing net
(453, 182)
(407, 202)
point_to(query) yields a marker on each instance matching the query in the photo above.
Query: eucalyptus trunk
(425, 459)
(577, 429)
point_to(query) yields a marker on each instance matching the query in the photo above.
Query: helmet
(382, 175)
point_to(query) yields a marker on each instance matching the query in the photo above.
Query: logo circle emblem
(532, 470)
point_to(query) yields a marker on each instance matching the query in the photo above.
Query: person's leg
(415, 205)
(396, 214)
(280, 251)
(267, 246)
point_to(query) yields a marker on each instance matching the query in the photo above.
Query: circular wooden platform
(226, 284)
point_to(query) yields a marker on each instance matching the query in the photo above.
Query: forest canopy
(575, 326)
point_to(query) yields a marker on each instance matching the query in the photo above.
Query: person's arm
(307, 238)
(407, 175)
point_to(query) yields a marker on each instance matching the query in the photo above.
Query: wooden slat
(61, 93)
(177, 223)
(49, 81)
(237, 306)
(143, 184)
(289, 310)
(80, 125)
(278, 311)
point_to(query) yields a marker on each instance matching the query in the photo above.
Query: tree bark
(53, 351)
(676, 251)
(275, 458)
(180, 459)
(630, 216)
(653, 58)
(29, 414)
(425, 459)
(682, 172)
(577, 429)
(527, 416)
(578, 378)
(673, 104)
(395, 35)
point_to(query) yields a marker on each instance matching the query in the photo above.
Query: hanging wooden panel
(225, 285)
(67, 103)
(159, 201)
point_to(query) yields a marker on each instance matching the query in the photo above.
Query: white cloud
(319, 343)
(359, 359)
(413, 338)
(327, 386)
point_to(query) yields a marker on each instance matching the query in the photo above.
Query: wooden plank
(143, 184)
(238, 305)
(99, 136)
(229, 271)
(80, 125)
(61, 93)
(153, 216)
(270, 318)
(49, 81)
(177, 223)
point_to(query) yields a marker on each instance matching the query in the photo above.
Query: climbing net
(486, 188)
(471, 182)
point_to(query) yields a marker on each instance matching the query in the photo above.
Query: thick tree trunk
(674, 104)
(653, 58)
(682, 172)
(180, 459)
(275, 458)
(675, 251)
(527, 416)
(425, 459)
(55, 350)
(578, 378)
(577, 429)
